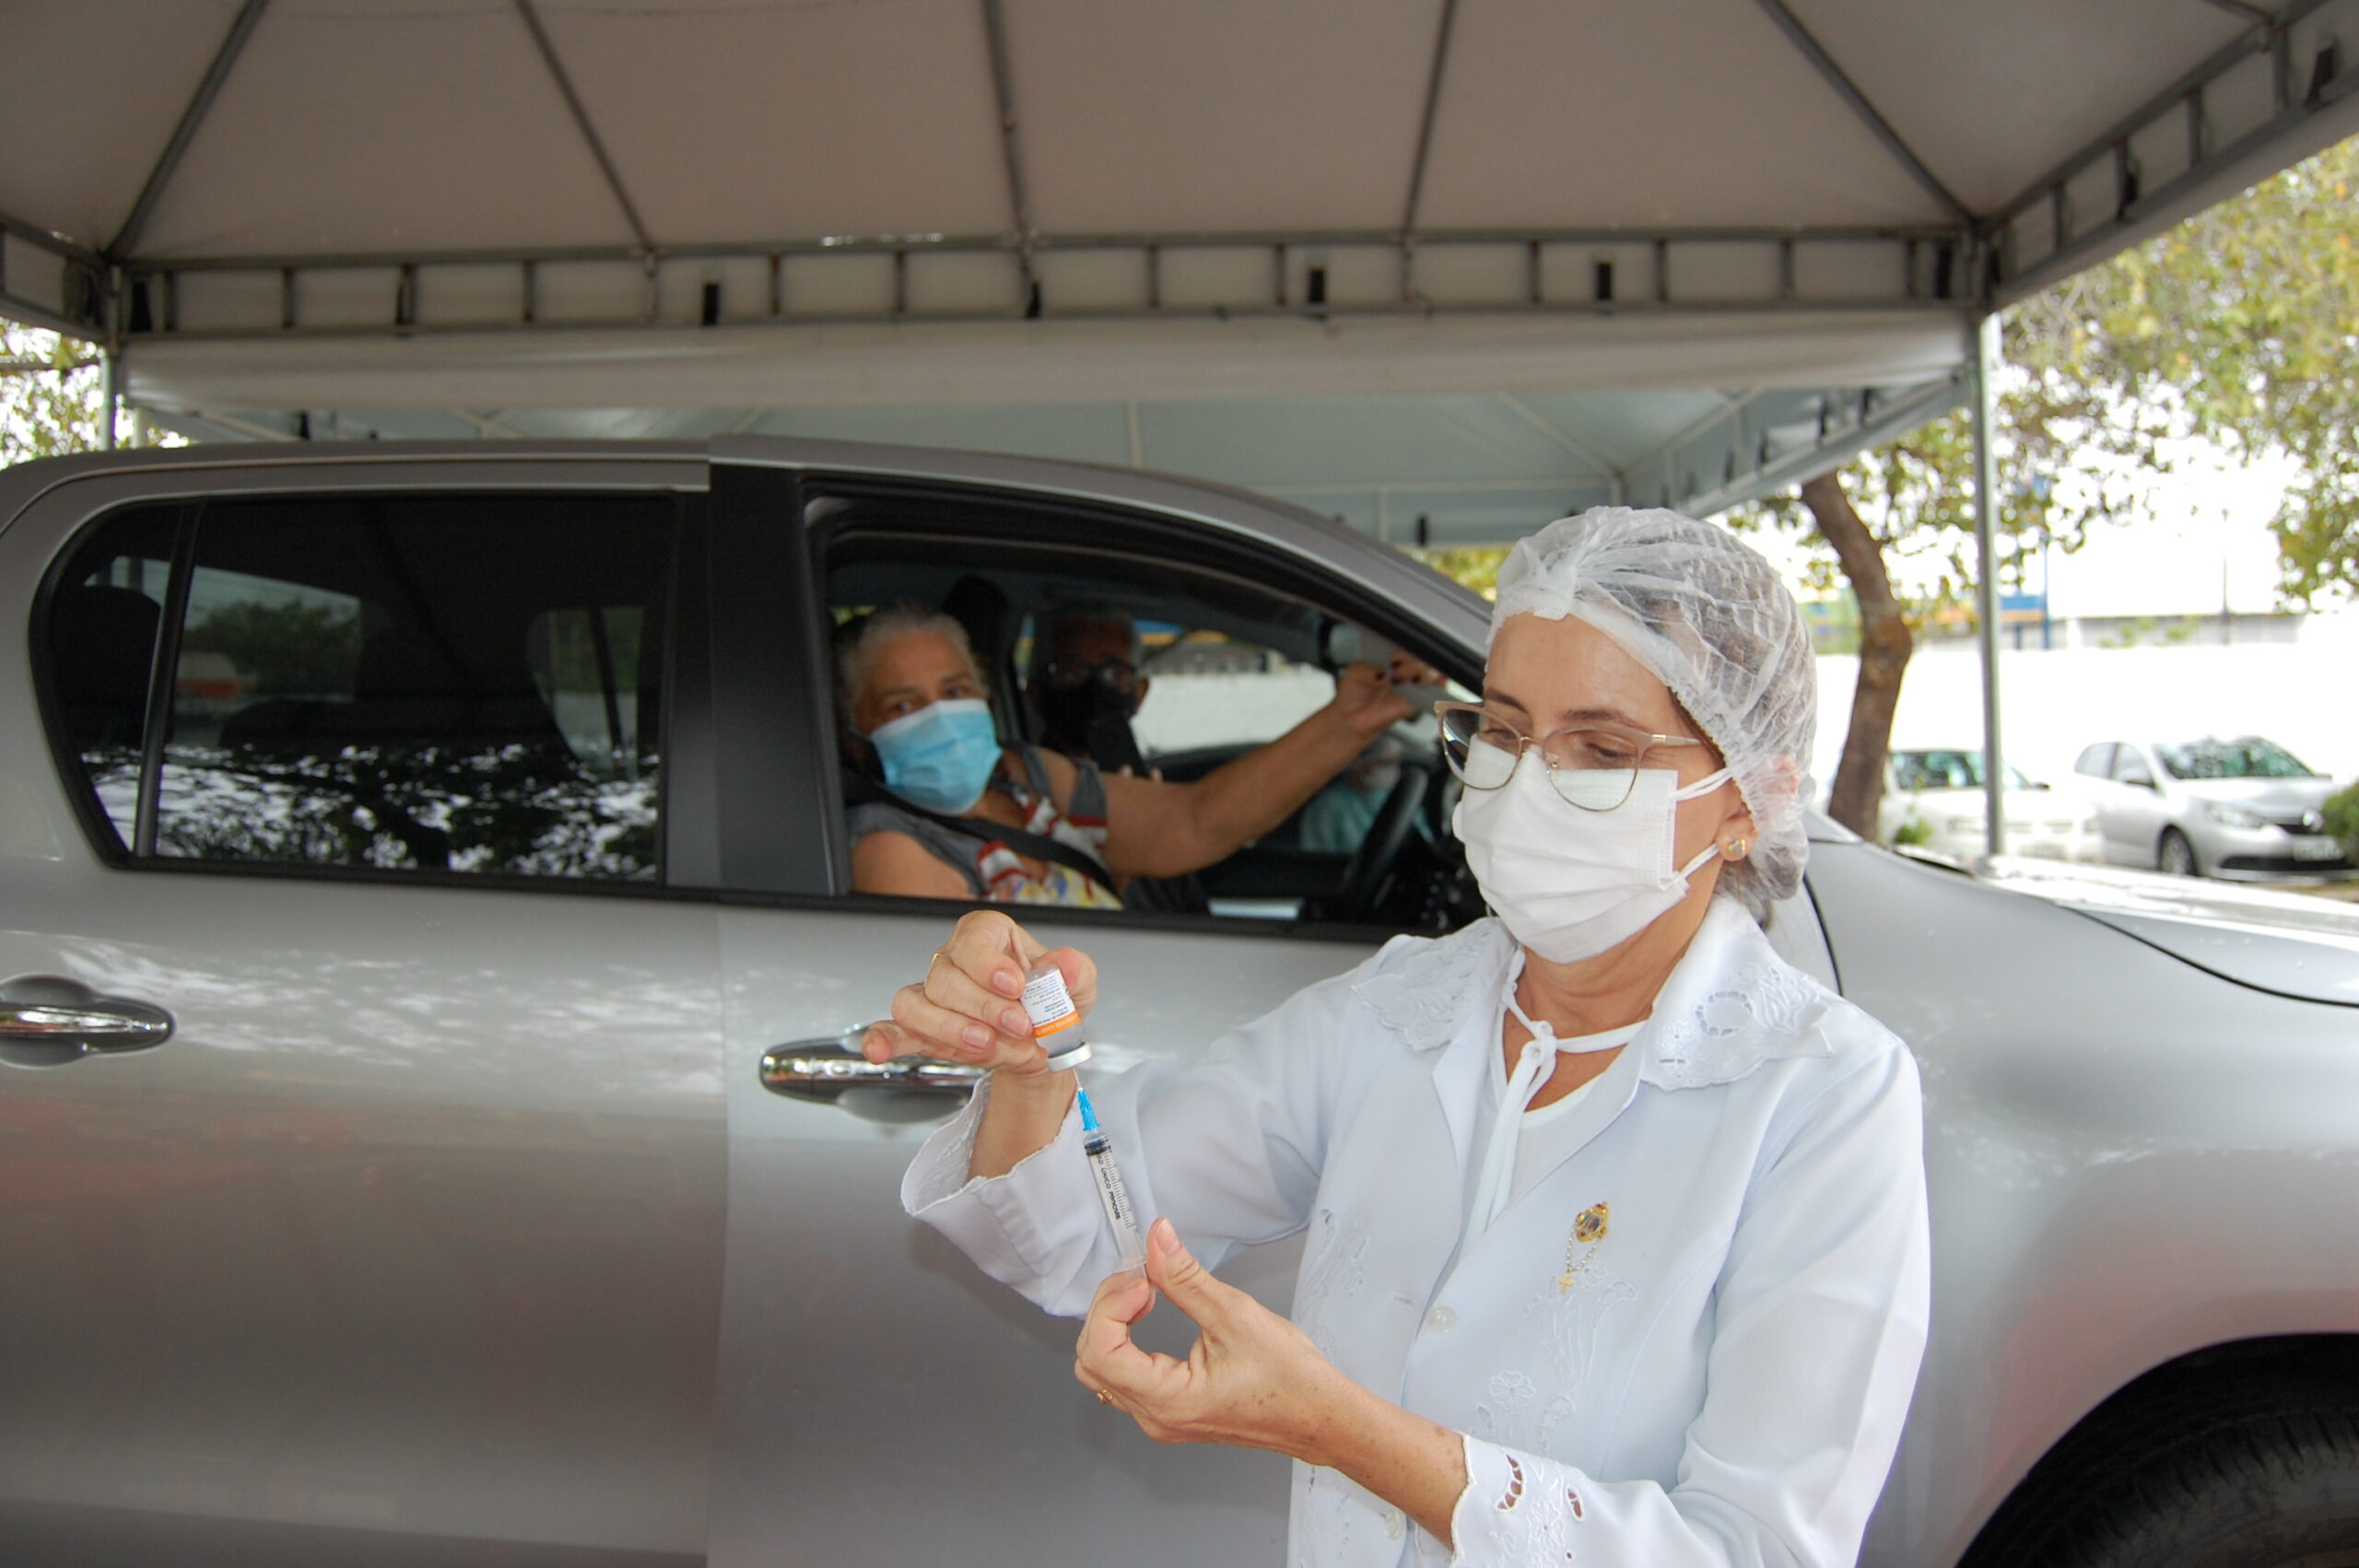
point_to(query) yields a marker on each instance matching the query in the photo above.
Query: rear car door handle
(48, 1021)
(823, 1068)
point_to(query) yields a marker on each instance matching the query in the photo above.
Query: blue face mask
(942, 756)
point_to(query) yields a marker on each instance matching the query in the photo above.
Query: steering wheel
(1365, 873)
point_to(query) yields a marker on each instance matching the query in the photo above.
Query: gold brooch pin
(1589, 1229)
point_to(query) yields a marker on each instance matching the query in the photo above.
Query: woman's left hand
(1365, 697)
(1252, 1379)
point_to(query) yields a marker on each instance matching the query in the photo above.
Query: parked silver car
(2246, 809)
(428, 963)
(1933, 800)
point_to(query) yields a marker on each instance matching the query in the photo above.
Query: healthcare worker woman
(1616, 1247)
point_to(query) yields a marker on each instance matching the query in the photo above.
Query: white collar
(1729, 1005)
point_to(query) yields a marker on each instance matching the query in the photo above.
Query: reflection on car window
(1212, 689)
(445, 683)
(103, 623)
(2250, 757)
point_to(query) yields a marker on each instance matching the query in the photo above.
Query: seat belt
(1022, 841)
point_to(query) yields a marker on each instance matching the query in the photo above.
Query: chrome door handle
(46, 1021)
(825, 1068)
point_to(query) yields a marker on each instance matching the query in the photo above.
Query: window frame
(95, 503)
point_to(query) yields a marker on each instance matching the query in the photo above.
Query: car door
(2135, 810)
(404, 1245)
(880, 1400)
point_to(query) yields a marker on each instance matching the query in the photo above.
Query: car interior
(1230, 662)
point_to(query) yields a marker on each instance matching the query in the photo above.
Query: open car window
(1219, 660)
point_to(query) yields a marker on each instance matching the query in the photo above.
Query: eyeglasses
(1594, 767)
(1114, 674)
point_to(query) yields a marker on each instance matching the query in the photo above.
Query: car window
(2250, 757)
(2130, 766)
(1172, 667)
(2096, 761)
(445, 683)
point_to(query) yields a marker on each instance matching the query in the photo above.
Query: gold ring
(938, 956)
(1105, 1396)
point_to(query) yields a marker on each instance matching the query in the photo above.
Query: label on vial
(1048, 1004)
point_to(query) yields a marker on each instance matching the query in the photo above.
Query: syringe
(1111, 1193)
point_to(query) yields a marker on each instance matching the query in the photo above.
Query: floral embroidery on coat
(1335, 1269)
(1757, 1009)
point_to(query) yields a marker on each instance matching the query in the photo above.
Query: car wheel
(2176, 856)
(2262, 1477)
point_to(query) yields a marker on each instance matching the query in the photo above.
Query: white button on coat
(1594, 1301)
(1441, 1320)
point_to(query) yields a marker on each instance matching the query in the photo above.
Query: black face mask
(1090, 720)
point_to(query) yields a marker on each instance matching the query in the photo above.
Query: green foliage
(1916, 830)
(44, 413)
(1476, 567)
(285, 650)
(2342, 818)
(2241, 326)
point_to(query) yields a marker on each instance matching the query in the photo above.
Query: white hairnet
(1713, 621)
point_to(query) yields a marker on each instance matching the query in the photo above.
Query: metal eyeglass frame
(1453, 750)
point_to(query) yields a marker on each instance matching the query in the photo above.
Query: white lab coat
(1691, 1342)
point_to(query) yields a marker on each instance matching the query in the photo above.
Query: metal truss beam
(573, 104)
(1804, 41)
(168, 162)
(1766, 440)
(1589, 456)
(1019, 198)
(1425, 120)
(1694, 270)
(68, 294)
(2316, 100)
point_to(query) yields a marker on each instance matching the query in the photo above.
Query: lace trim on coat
(1516, 1508)
(1730, 1005)
(1418, 986)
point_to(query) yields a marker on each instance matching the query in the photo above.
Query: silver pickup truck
(429, 1134)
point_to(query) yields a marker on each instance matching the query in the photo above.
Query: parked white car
(2242, 810)
(1933, 798)
(430, 1132)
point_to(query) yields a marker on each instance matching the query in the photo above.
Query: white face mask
(1569, 883)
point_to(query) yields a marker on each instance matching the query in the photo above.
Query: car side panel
(403, 1247)
(2127, 1159)
(881, 1400)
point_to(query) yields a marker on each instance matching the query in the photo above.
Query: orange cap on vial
(1055, 1020)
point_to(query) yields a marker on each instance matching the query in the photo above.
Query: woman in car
(914, 703)
(1616, 1242)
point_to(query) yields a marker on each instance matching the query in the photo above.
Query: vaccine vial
(1056, 1023)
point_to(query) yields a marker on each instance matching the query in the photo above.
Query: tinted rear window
(421, 683)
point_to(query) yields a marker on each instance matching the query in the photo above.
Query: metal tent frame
(168, 313)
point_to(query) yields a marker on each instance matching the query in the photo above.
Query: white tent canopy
(1466, 262)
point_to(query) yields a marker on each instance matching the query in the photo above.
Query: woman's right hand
(969, 1008)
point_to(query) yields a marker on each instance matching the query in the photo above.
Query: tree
(1910, 503)
(49, 397)
(2238, 327)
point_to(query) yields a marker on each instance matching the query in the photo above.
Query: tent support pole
(109, 397)
(1985, 587)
